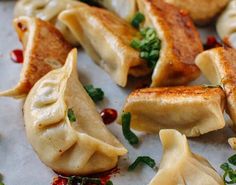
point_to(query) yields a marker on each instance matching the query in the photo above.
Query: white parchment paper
(18, 162)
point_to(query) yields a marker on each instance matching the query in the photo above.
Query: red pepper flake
(59, 181)
(108, 115)
(17, 56)
(212, 43)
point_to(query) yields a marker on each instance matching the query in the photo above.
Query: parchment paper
(18, 162)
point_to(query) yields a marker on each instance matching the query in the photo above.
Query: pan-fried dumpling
(192, 110)
(180, 43)
(218, 65)
(232, 142)
(179, 166)
(106, 38)
(47, 10)
(79, 145)
(44, 49)
(124, 8)
(226, 26)
(201, 11)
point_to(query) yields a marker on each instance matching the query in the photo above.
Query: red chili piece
(212, 43)
(59, 181)
(17, 56)
(108, 115)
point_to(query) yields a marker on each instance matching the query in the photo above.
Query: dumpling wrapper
(44, 49)
(201, 11)
(106, 38)
(73, 148)
(226, 24)
(180, 43)
(179, 166)
(47, 10)
(126, 9)
(218, 66)
(192, 110)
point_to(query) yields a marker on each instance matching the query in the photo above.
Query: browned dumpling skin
(106, 38)
(201, 11)
(219, 67)
(192, 110)
(44, 49)
(180, 43)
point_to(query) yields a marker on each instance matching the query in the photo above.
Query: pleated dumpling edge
(70, 147)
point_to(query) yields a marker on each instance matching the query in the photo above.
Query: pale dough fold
(47, 10)
(226, 24)
(82, 147)
(45, 49)
(106, 38)
(179, 166)
(201, 11)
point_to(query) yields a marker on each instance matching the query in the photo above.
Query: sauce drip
(108, 115)
(17, 56)
(211, 43)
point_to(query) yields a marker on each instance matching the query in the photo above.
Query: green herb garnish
(142, 159)
(229, 176)
(82, 180)
(1, 183)
(109, 183)
(137, 20)
(149, 46)
(71, 115)
(129, 135)
(95, 93)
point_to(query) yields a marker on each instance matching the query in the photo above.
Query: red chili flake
(211, 43)
(108, 115)
(17, 56)
(59, 181)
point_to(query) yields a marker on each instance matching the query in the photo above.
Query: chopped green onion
(232, 160)
(109, 183)
(142, 159)
(1, 183)
(95, 93)
(149, 46)
(71, 115)
(229, 176)
(129, 135)
(137, 20)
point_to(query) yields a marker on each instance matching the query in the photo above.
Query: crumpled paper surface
(20, 165)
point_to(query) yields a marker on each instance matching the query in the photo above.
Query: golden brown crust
(45, 49)
(180, 44)
(180, 91)
(48, 44)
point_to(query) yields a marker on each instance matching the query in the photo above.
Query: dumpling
(44, 49)
(106, 38)
(201, 11)
(179, 166)
(73, 147)
(225, 25)
(232, 142)
(47, 10)
(124, 8)
(180, 43)
(192, 110)
(218, 65)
